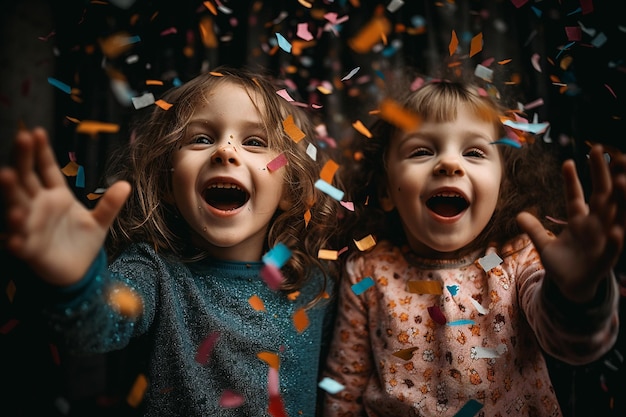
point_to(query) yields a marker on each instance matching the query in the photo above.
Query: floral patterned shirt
(441, 337)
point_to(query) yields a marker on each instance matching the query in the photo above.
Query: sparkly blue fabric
(182, 305)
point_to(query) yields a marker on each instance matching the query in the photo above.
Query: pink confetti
(277, 163)
(272, 276)
(437, 315)
(574, 33)
(303, 32)
(519, 3)
(206, 347)
(284, 94)
(169, 31)
(535, 61)
(534, 104)
(231, 399)
(610, 90)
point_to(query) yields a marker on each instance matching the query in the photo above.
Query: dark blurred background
(62, 62)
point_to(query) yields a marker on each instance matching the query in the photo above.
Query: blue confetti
(80, 177)
(460, 322)
(507, 141)
(329, 189)
(283, 43)
(60, 85)
(278, 255)
(469, 409)
(360, 287)
(454, 289)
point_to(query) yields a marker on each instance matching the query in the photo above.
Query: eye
(255, 141)
(202, 140)
(420, 152)
(475, 153)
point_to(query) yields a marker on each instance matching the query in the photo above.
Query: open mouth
(225, 196)
(447, 204)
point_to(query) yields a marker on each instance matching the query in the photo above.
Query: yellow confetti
(424, 287)
(300, 320)
(323, 90)
(270, 358)
(305, 4)
(256, 303)
(135, 396)
(360, 127)
(292, 130)
(327, 254)
(365, 243)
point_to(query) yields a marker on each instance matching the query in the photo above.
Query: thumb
(535, 230)
(111, 203)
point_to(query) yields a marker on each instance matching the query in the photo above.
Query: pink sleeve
(575, 334)
(349, 360)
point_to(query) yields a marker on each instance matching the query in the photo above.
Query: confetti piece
(480, 352)
(270, 358)
(278, 255)
(311, 151)
(272, 276)
(300, 320)
(71, 169)
(292, 130)
(555, 220)
(376, 29)
(163, 104)
(366, 243)
(519, 3)
(142, 101)
(276, 407)
(533, 104)
(394, 5)
(292, 296)
(210, 7)
(424, 287)
(330, 255)
(574, 33)
(207, 34)
(360, 127)
(231, 399)
(283, 43)
(328, 171)
(8, 326)
(507, 141)
(453, 289)
(534, 128)
(405, 354)
(437, 315)
(303, 32)
(329, 189)
(92, 127)
(398, 116)
(351, 74)
(80, 177)
(206, 348)
(307, 217)
(348, 205)
(361, 286)
(482, 310)
(484, 73)
(256, 303)
(125, 301)
(277, 163)
(534, 60)
(285, 94)
(330, 385)
(471, 407)
(60, 85)
(135, 396)
(610, 90)
(460, 322)
(454, 43)
(476, 45)
(490, 261)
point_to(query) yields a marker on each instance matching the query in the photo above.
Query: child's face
(220, 181)
(444, 179)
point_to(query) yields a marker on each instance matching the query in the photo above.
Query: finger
(47, 165)
(600, 179)
(535, 230)
(574, 194)
(25, 162)
(12, 191)
(111, 203)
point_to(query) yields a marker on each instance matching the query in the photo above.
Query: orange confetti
(504, 61)
(92, 127)
(270, 358)
(10, 290)
(219, 74)
(300, 320)
(135, 396)
(365, 243)
(125, 301)
(292, 130)
(209, 40)
(424, 287)
(375, 30)
(307, 217)
(305, 4)
(328, 171)
(398, 116)
(210, 6)
(256, 303)
(454, 43)
(93, 196)
(476, 45)
(360, 127)
(71, 169)
(154, 82)
(292, 296)
(163, 104)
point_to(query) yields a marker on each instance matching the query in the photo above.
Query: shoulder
(384, 255)
(142, 257)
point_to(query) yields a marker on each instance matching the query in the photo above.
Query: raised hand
(47, 226)
(586, 251)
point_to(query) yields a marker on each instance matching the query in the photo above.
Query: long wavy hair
(530, 179)
(145, 163)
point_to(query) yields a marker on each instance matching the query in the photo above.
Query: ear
(386, 203)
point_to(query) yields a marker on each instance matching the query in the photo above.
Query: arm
(48, 227)
(578, 293)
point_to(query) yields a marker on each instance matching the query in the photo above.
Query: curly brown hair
(148, 216)
(530, 180)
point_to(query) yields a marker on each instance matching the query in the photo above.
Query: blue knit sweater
(185, 303)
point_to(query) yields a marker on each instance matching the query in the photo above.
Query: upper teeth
(447, 194)
(225, 185)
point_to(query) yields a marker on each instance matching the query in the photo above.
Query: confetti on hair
(142, 101)
(300, 320)
(125, 301)
(489, 261)
(92, 127)
(60, 85)
(327, 254)
(292, 130)
(163, 104)
(137, 391)
(398, 116)
(534, 128)
(330, 385)
(437, 315)
(283, 43)
(348, 205)
(375, 30)
(277, 163)
(363, 285)
(454, 43)
(216, 74)
(256, 303)
(270, 358)
(307, 217)
(311, 151)
(366, 243)
(325, 187)
(405, 354)
(328, 171)
(476, 44)
(424, 287)
(231, 399)
(351, 74)
(284, 94)
(278, 255)
(360, 127)
(203, 354)
(507, 141)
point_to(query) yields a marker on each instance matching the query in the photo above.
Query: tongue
(445, 210)
(224, 205)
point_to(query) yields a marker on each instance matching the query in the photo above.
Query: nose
(225, 155)
(449, 165)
